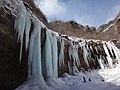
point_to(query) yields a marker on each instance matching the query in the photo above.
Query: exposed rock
(12, 72)
(30, 4)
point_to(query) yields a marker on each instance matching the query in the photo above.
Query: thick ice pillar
(54, 55)
(19, 25)
(47, 65)
(35, 50)
(109, 59)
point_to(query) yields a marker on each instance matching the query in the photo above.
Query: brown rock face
(11, 72)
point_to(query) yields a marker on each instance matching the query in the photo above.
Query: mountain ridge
(74, 29)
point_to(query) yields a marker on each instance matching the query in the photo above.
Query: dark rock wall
(12, 72)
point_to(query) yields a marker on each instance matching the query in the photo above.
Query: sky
(85, 12)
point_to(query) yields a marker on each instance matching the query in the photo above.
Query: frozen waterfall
(20, 23)
(109, 59)
(54, 55)
(43, 64)
(73, 53)
(74, 58)
(34, 58)
(85, 55)
(49, 55)
(33, 43)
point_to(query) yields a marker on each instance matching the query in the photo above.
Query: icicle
(47, 65)
(76, 55)
(91, 48)
(100, 61)
(20, 25)
(109, 59)
(109, 45)
(54, 55)
(89, 53)
(70, 50)
(99, 58)
(35, 64)
(27, 29)
(73, 53)
(85, 55)
(35, 50)
(114, 49)
(61, 54)
(116, 52)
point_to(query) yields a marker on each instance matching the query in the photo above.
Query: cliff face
(9, 53)
(12, 72)
(105, 32)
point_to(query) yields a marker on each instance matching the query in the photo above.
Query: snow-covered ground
(106, 79)
(111, 75)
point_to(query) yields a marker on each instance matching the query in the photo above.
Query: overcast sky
(85, 12)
